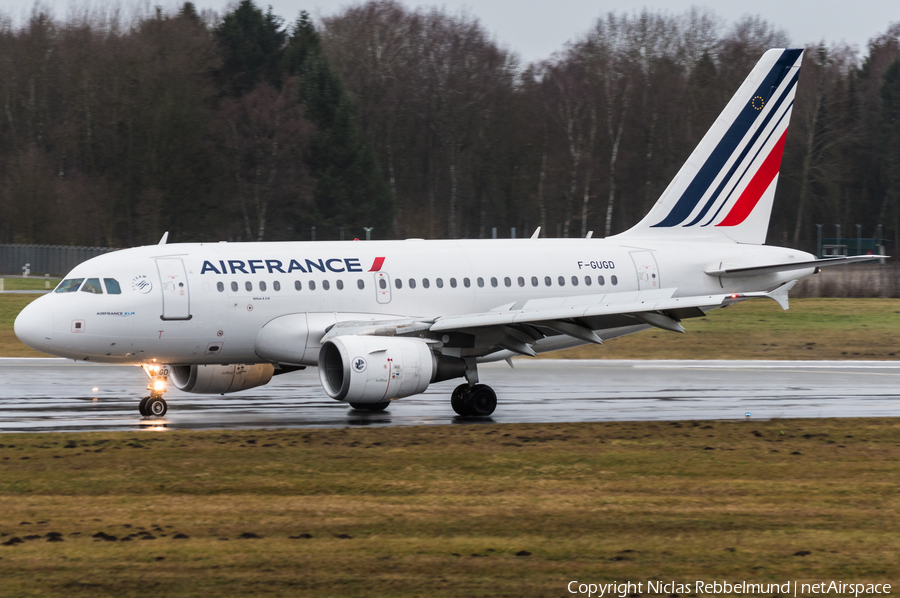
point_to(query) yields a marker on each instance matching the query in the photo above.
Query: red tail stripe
(758, 185)
(377, 264)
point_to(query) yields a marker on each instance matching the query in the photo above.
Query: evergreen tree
(252, 47)
(890, 127)
(350, 190)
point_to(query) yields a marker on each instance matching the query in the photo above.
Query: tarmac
(58, 395)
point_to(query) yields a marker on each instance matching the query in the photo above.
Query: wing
(517, 327)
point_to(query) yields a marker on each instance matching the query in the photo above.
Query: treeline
(413, 121)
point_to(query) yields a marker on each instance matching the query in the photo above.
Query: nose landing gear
(155, 405)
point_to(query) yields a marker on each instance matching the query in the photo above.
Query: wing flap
(613, 304)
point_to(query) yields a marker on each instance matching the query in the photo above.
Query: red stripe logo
(758, 185)
(377, 264)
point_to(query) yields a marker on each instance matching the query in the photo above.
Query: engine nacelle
(219, 379)
(374, 369)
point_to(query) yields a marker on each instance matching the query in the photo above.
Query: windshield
(112, 286)
(92, 286)
(70, 285)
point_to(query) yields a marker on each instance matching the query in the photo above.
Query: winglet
(537, 233)
(780, 295)
(165, 238)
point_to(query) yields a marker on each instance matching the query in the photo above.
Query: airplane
(382, 320)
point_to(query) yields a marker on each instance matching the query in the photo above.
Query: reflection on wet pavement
(59, 395)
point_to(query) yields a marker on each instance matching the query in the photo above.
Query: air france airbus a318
(383, 320)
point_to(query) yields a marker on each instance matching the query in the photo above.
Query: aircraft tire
(370, 406)
(458, 399)
(481, 400)
(142, 406)
(156, 407)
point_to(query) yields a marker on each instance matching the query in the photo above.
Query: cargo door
(176, 298)
(647, 272)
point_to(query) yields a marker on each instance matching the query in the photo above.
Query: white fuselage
(212, 311)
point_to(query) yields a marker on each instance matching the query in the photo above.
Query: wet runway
(60, 395)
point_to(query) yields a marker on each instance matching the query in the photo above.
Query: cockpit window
(92, 285)
(69, 285)
(112, 286)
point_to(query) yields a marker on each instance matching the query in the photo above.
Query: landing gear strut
(479, 400)
(155, 405)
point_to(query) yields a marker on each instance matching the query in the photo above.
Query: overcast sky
(537, 28)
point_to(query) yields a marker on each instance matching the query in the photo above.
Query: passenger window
(248, 285)
(340, 285)
(325, 285)
(521, 282)
(92, 286)
(534, 281)
(466, 283)
(276, 285)
(262, 285)
(547, 281)
(312, 285)
(453, 283)
(220, 286)
(587, 280)
(493, 281)
(398, 283)
(507, 281)
(112, 286)
(562, 281)
(298, 285)
(234, 287)
(601, 281)
(412, 283)
(574, 281)
(381, 283)
(480, 281)
(425, 283)
(440, 283)
(613, 279)
(69, 285)
(362, 285)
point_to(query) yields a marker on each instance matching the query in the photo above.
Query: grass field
(811, 329)
(476, 510)
(29, 284)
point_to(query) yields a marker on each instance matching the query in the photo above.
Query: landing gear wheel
(370, 406)
(142, 406)
(156, 407)
(458, 399)
(481, 400)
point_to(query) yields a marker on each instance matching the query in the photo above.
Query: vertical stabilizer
(725, 189)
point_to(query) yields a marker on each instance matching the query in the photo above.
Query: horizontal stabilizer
(787, 267)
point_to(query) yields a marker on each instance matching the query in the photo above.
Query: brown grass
(592, 502)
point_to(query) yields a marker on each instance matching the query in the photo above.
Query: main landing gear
(155, 405)
(479, 400)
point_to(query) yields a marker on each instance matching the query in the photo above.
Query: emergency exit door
(175, 294)
(382, 287)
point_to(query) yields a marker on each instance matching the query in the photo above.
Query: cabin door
(176, 298)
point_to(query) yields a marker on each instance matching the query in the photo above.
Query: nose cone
(34, 326)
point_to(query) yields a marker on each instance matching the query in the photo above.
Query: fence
(55, 260)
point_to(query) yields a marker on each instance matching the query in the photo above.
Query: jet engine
(376, 369)
(219, 379)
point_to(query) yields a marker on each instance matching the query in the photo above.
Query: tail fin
(725, 189)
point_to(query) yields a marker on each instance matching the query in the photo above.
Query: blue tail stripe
(729, 142)
(737, 163)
